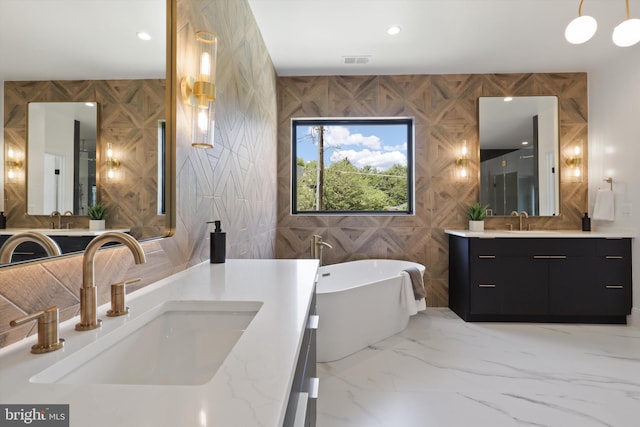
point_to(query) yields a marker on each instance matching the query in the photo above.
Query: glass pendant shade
(581, 29)
(627, 33)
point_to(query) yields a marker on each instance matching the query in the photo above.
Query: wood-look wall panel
(445, 110)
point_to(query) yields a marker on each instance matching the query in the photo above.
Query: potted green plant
(476, 213)
(97, 214)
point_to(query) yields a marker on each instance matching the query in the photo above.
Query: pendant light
(627, 33)
(582, 28)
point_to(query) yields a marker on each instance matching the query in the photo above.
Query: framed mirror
(89, 51)
(519, 155)
(61, 156)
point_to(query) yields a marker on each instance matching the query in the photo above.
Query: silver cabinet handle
(487, 285)
(314, 319)
(301, 410)
(314, 386)
(549, 257)
(614, 257)
(486, 256)
(614, 286)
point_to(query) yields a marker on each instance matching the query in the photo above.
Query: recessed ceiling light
(525, 142)
(144, 36)
(508, 99)
(393, 30)
(90, 104)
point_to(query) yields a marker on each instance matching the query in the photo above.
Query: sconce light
(200, 93)
(581, 29)
(574, 161)
(462, 162)
(13, 164)
(112, 163)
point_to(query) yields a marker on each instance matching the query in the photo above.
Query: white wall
(614, 146)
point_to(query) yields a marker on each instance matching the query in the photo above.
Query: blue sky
(379, 146)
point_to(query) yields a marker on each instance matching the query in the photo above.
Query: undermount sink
(176, 343)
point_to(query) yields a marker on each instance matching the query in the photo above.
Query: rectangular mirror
(519, 151)
(61, 157)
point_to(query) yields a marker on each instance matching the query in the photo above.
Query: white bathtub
(359, 304)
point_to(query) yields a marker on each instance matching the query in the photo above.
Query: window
(352, 166)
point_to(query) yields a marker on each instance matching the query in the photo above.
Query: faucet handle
(118, 306)
(48, 339)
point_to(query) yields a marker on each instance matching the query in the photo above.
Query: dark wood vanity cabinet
(301, 409)
(540, 279)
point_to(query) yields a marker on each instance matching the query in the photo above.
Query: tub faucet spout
(88, 295)
(316, 247)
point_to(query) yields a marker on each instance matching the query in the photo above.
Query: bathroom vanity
(540, 276)
(263, 378)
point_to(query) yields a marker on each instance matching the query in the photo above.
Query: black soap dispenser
(217, 244)
(3, 221)
(586, 222)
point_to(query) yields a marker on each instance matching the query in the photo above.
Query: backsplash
(234, 182)
(445, 110)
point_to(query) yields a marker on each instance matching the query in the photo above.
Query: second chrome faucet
(88, 294)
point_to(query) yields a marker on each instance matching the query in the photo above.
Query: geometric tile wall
(128, 116)
(234, 182)
(445, 111)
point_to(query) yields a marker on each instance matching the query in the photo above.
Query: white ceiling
(68, 39)
(311, 37)
(81, 39)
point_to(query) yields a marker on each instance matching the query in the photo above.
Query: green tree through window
(352, 166)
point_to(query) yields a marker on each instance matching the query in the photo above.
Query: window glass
(352, 166)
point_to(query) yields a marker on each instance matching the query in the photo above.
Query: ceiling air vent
(355, 59)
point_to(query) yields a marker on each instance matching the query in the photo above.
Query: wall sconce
(582, 28)
(574, 161)
(200, 93)
(112, 163)
(462, 163)
(13, 163)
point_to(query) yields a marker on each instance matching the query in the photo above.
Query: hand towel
(603, 209)
(409, 295)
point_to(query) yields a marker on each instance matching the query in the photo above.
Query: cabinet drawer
(614, 248)
(532, 247)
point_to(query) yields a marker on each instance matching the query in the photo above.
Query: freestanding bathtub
(359, 303)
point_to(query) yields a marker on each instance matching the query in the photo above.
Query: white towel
(412, 305)
(603, 209)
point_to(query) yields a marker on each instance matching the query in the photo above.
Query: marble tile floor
(443, 372)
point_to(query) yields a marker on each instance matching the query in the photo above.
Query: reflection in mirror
(519, 155)
(61, 148)
(133, 82)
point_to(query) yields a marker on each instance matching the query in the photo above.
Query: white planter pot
(476, 225)
(96, 224)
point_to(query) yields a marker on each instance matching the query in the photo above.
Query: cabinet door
(572, 286)
(510, 286)
(597, 285)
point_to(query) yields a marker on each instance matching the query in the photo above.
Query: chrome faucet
(88, 295)
(520, 215)
(316, 247)
(59, 216)
(10, 245)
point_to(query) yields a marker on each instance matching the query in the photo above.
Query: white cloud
(381, 160)
(339, 136)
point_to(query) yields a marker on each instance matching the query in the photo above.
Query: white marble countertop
(62, 231)
(251, 388)
(493, 234)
